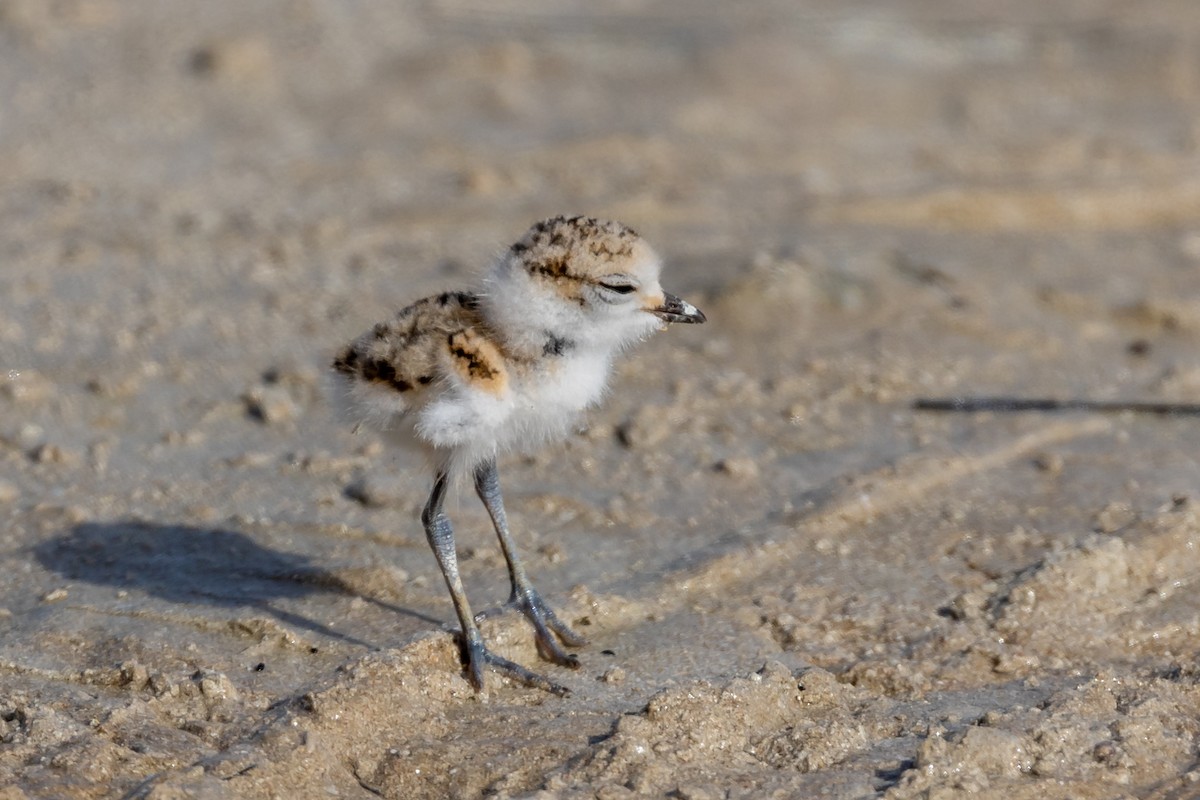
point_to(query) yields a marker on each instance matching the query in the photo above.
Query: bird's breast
(571, 383)
(548, 400)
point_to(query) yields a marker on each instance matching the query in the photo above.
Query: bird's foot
(548, 629)
(479, 657)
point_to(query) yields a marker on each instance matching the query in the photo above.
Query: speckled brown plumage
(548, 246)
(405, 353)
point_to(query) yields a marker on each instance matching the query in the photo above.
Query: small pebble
(1050, 463)
(376, 491)
(647, 428)
(1106, 752)
(244, 60)
(613, 675)
(134, 674)
(740, 468)
(28, 437)
(54, 454)
(271, 404)
(1115, 516)
(25, 387)
(217, 686)
(1138, 347)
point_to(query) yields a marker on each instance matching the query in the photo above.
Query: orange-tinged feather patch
(477, 361)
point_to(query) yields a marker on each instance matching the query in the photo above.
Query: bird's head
(582, 280)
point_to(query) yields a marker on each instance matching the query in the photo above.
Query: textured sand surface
(794, 584)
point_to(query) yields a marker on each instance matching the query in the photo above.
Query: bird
(465, 377)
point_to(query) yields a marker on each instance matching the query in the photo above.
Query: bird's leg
(546, 624)
(476, 654)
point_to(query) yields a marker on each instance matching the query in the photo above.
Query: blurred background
(312, 155)
(228, 147)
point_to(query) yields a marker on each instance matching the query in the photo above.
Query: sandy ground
(794, 584)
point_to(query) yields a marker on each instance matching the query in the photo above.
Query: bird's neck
(534, 343)
(528, 335)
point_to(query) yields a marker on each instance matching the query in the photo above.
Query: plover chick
(466, 376)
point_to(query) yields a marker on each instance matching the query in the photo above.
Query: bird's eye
(620, 288)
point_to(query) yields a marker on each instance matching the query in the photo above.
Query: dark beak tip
(696, 318)
(675, 309)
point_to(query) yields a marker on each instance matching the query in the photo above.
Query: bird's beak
(673, 309)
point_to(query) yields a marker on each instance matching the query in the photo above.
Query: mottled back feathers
(409, 352)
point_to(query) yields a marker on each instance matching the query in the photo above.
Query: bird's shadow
(189, 565)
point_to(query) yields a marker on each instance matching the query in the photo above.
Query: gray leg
(476, 654)
(548, 628)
